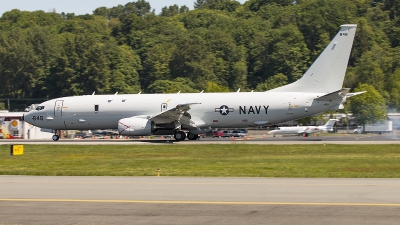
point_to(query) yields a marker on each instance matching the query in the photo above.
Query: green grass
(230, 160)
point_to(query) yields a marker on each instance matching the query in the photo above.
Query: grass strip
(230, 160)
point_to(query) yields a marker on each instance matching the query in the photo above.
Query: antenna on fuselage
(139, 93)
(116, 93)
(238, 90)
(93, 92)
(201, 91)
(178, 92)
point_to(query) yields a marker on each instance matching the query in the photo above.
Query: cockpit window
(39, 108)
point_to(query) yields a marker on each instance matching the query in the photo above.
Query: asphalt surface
(179, 200)
(393, 138)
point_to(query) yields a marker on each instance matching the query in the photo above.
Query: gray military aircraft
(188, 115)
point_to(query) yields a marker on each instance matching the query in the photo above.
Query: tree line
(220, 45)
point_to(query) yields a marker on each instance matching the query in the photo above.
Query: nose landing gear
(56, 136)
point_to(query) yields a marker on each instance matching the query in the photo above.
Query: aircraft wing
(178, 114)
(305, 130)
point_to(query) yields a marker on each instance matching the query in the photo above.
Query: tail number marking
(34, 118)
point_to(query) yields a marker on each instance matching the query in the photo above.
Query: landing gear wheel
(56, 137)
(192, 137)
(179, 136)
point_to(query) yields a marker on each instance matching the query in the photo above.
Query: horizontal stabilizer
(348, 95)
(340, 94)
(354, 94)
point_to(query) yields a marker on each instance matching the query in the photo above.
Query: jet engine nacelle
(135, 126)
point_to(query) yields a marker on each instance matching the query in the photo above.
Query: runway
(188, 200)
(251, 139)
(181, 200)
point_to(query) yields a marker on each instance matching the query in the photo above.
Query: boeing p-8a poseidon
(188, 115)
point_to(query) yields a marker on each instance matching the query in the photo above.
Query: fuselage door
(164, 107)
(58, 108)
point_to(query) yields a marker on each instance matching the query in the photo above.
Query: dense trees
(221, 45)
(368, 107)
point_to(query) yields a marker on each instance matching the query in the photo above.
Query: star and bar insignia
(224, 110)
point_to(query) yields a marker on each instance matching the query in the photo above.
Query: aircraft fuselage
(217, 110)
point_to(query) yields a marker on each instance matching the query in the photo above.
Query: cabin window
(164, 107)
(96, 108)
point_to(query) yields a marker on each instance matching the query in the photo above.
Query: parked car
(216, 133)
(98, 136)
(226, 133)
(244, 130)
(82, 135)
(238, 133)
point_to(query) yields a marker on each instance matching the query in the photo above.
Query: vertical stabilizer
(330, 122)
(326, 74)
(329, 125)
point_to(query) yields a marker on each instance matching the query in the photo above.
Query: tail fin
(326, 74)
(329, 125)
(330, 122)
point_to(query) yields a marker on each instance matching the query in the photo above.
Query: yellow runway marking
(205, 202)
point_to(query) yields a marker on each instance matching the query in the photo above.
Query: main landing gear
(192, 137)
(180, 136)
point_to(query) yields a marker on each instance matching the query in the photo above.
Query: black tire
(180, 136)
(192, 137)
(55, 137)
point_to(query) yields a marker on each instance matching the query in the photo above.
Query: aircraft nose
(25, 117)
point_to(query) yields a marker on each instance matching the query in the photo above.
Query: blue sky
(80, 7)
